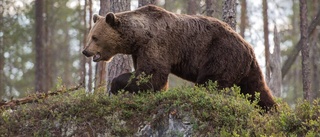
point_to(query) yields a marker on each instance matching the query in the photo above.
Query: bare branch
(35, 97)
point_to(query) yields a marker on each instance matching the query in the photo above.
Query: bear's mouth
(97, 57)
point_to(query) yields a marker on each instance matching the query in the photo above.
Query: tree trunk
(243, 18)
(192, 7)
(51, 51)
(46, 44)
(217, 8)
(101, 74)
(89, 61)
(67, 77)
(209, 9)
(84, 42)
(305, 51)
(49, 48)
(39, 65)
(166, 4)
(145, 2)
(105, 7)
(266, 38)
(229, 13)
(315, 56)
(2, 85)
(275, 66)
(120, 63)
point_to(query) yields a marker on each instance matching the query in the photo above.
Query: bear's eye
(94, 38)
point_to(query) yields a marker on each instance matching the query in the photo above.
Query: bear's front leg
(139, 82)
(119, 82)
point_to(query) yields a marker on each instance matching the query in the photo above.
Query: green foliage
(142, 78)
(210, 111)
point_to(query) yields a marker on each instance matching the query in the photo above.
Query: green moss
(211, 113)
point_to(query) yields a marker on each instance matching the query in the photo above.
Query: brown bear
(195, 48)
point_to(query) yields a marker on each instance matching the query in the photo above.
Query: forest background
(27, 68)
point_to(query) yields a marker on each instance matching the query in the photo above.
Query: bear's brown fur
(195, 48)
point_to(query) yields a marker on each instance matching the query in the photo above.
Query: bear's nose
(86, 53)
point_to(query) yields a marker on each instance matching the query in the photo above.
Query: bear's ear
(95, 18)
(112, 20)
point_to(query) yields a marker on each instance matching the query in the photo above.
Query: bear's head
(104, 41)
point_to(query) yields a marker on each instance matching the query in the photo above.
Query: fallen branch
(35, 97)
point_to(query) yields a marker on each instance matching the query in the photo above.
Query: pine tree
(305, 51)
(39, 72)
(229, 13)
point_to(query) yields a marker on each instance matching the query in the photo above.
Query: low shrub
(211, 112)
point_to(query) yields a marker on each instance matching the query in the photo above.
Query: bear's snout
(87, 54)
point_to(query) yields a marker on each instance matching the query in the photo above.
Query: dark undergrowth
(211, 113)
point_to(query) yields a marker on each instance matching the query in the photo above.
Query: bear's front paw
(114, 90)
